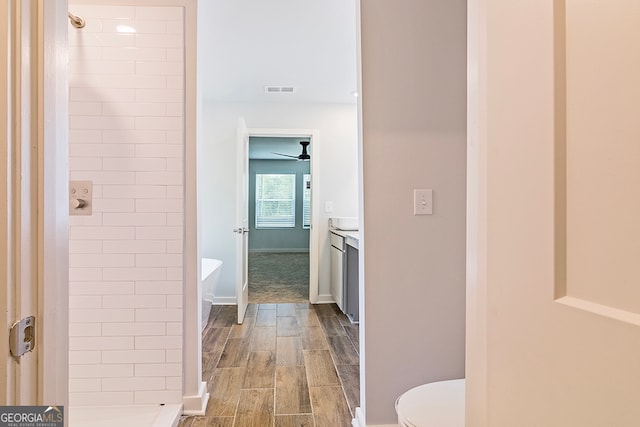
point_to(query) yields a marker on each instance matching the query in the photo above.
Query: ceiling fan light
(302, 156)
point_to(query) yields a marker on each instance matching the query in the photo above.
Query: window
(306, 201)
(275, 200)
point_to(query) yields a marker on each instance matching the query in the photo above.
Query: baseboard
(196, 405)
(224, 301)
(324, 299)
(280, 251)
(358, 421)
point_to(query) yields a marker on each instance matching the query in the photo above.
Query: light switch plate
(328, 207)
(423, 202)
(80, 197)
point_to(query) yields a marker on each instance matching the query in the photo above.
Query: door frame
(38, 108)
(314, 237)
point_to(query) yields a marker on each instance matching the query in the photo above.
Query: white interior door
(553, 316)
(242, 221)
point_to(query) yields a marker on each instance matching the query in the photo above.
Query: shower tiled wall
(126, 259)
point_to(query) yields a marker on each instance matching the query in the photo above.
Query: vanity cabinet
(352, 278)
(345, 272)
(337, 269)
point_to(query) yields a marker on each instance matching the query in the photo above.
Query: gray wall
(413, 136)
(284, 239)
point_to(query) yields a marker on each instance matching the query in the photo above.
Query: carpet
(278, 277)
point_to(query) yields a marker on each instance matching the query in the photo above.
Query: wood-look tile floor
(287, 365)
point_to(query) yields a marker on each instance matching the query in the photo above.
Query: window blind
(306, 201)
(275, 200)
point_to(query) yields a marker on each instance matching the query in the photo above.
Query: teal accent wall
(282, 239)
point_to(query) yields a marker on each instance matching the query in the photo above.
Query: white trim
(325, 299)
(359, 421)
(476, 327)
(362, 409)
(314, 238)
(280, 251)
(197, 404)
(195, 396)
(224, 300)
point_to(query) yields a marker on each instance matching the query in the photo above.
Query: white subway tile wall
(127, 136)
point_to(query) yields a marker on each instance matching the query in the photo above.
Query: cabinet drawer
(337, 241)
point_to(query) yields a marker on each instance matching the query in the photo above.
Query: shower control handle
(79, 203)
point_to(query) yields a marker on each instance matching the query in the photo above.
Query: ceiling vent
(279, 89)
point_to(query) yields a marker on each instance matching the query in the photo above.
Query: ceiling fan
(302, 156)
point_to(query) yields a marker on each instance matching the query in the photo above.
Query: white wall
(413, 136)
(126, 260)
(337, 148)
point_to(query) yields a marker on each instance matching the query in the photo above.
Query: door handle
(241, 230)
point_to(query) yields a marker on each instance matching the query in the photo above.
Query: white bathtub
(210, 274)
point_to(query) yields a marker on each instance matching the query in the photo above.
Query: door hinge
(22, 336)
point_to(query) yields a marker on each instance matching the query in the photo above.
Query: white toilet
(439, 404)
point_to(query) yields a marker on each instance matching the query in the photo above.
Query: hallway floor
(288, 365)
(278, 277)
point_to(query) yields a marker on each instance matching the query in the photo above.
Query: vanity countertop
(351, 238)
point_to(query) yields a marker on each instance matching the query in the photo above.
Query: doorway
(282, 210)
(279, 219)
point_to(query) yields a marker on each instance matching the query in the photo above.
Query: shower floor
(124, 416)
